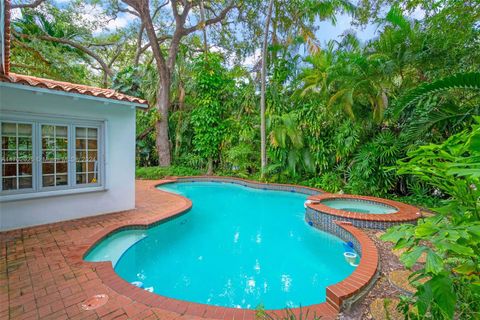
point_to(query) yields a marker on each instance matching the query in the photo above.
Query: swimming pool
(237, 247)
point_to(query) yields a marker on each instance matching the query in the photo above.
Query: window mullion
(37, 156)
(71, 156)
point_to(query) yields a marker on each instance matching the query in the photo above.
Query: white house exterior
(68, 151)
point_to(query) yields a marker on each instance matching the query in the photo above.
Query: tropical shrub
(153, 173)
(450, 239)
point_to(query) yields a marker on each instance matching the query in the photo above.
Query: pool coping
(336, 294)
(405, 213)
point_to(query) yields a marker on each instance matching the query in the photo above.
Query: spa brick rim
(336, 294)
(404, 213)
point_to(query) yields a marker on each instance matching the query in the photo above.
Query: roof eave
(74, 95)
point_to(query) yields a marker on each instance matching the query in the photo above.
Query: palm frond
(468, 81)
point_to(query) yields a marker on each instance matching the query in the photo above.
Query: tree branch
(33, 50)
(214, 20)
(33, 4)
(142, 7)
(72, 44)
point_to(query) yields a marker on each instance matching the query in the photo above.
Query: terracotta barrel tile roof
(70, 87)
(6, 38)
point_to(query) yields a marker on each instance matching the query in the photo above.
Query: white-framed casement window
(41, 155)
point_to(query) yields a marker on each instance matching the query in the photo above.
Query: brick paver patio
(43, 275)
(38, 280)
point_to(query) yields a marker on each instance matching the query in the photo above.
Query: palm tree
(357, 80)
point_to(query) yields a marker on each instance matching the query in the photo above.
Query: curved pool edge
(337, 293)
(320, 213)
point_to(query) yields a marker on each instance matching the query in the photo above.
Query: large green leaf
(442, 289)
(434, 263)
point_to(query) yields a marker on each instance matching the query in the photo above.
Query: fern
(468, 81)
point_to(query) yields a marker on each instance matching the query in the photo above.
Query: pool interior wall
(140, 259)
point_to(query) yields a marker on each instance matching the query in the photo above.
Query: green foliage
(154, 173)
(369, 170)
(466, 81)
(288, 314)
(451, 239)
(329, 182)
(210, 83)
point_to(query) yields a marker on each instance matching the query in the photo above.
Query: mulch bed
(382, 288)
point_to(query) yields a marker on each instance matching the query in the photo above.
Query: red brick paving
(43, 275)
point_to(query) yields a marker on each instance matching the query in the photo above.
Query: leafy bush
(451, 239)
(161, 172)
(329, 181)
(369, 172)
(261, 314)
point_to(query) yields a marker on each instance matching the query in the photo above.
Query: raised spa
(358, 205)
(237, 247)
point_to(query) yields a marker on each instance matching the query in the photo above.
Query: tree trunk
(162, 141)
(210, 166)
(204, 29)
(178, 134)
(263, 134)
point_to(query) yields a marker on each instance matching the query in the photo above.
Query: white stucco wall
(119, 193)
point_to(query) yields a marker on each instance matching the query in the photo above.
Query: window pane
(81, 132)
(9, 129)
(92, 155)
(81, 144)
(81, 156)
(61, 167)
(61, 156)
(92, 178)
(25, 130)
(48, 143)
(62, 143)
(25, 169)
(25, 156)
(9, 183)
(81, 167)
(48, 168)
(9, 169)
(25, 143)
(48, 181)
(9, 142)
(25, 183)
(48, 155)
(47, 131)
(55, 155)
(9, 155)
(92, 144)
(17, 155)
(81, 178)
(61, 132)
(86, 143)
(92, 133)
(62, 179)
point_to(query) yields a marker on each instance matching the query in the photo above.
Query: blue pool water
(236, 247)
(354, 205)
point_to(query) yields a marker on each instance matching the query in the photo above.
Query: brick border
(336, 293)
(405, 213)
